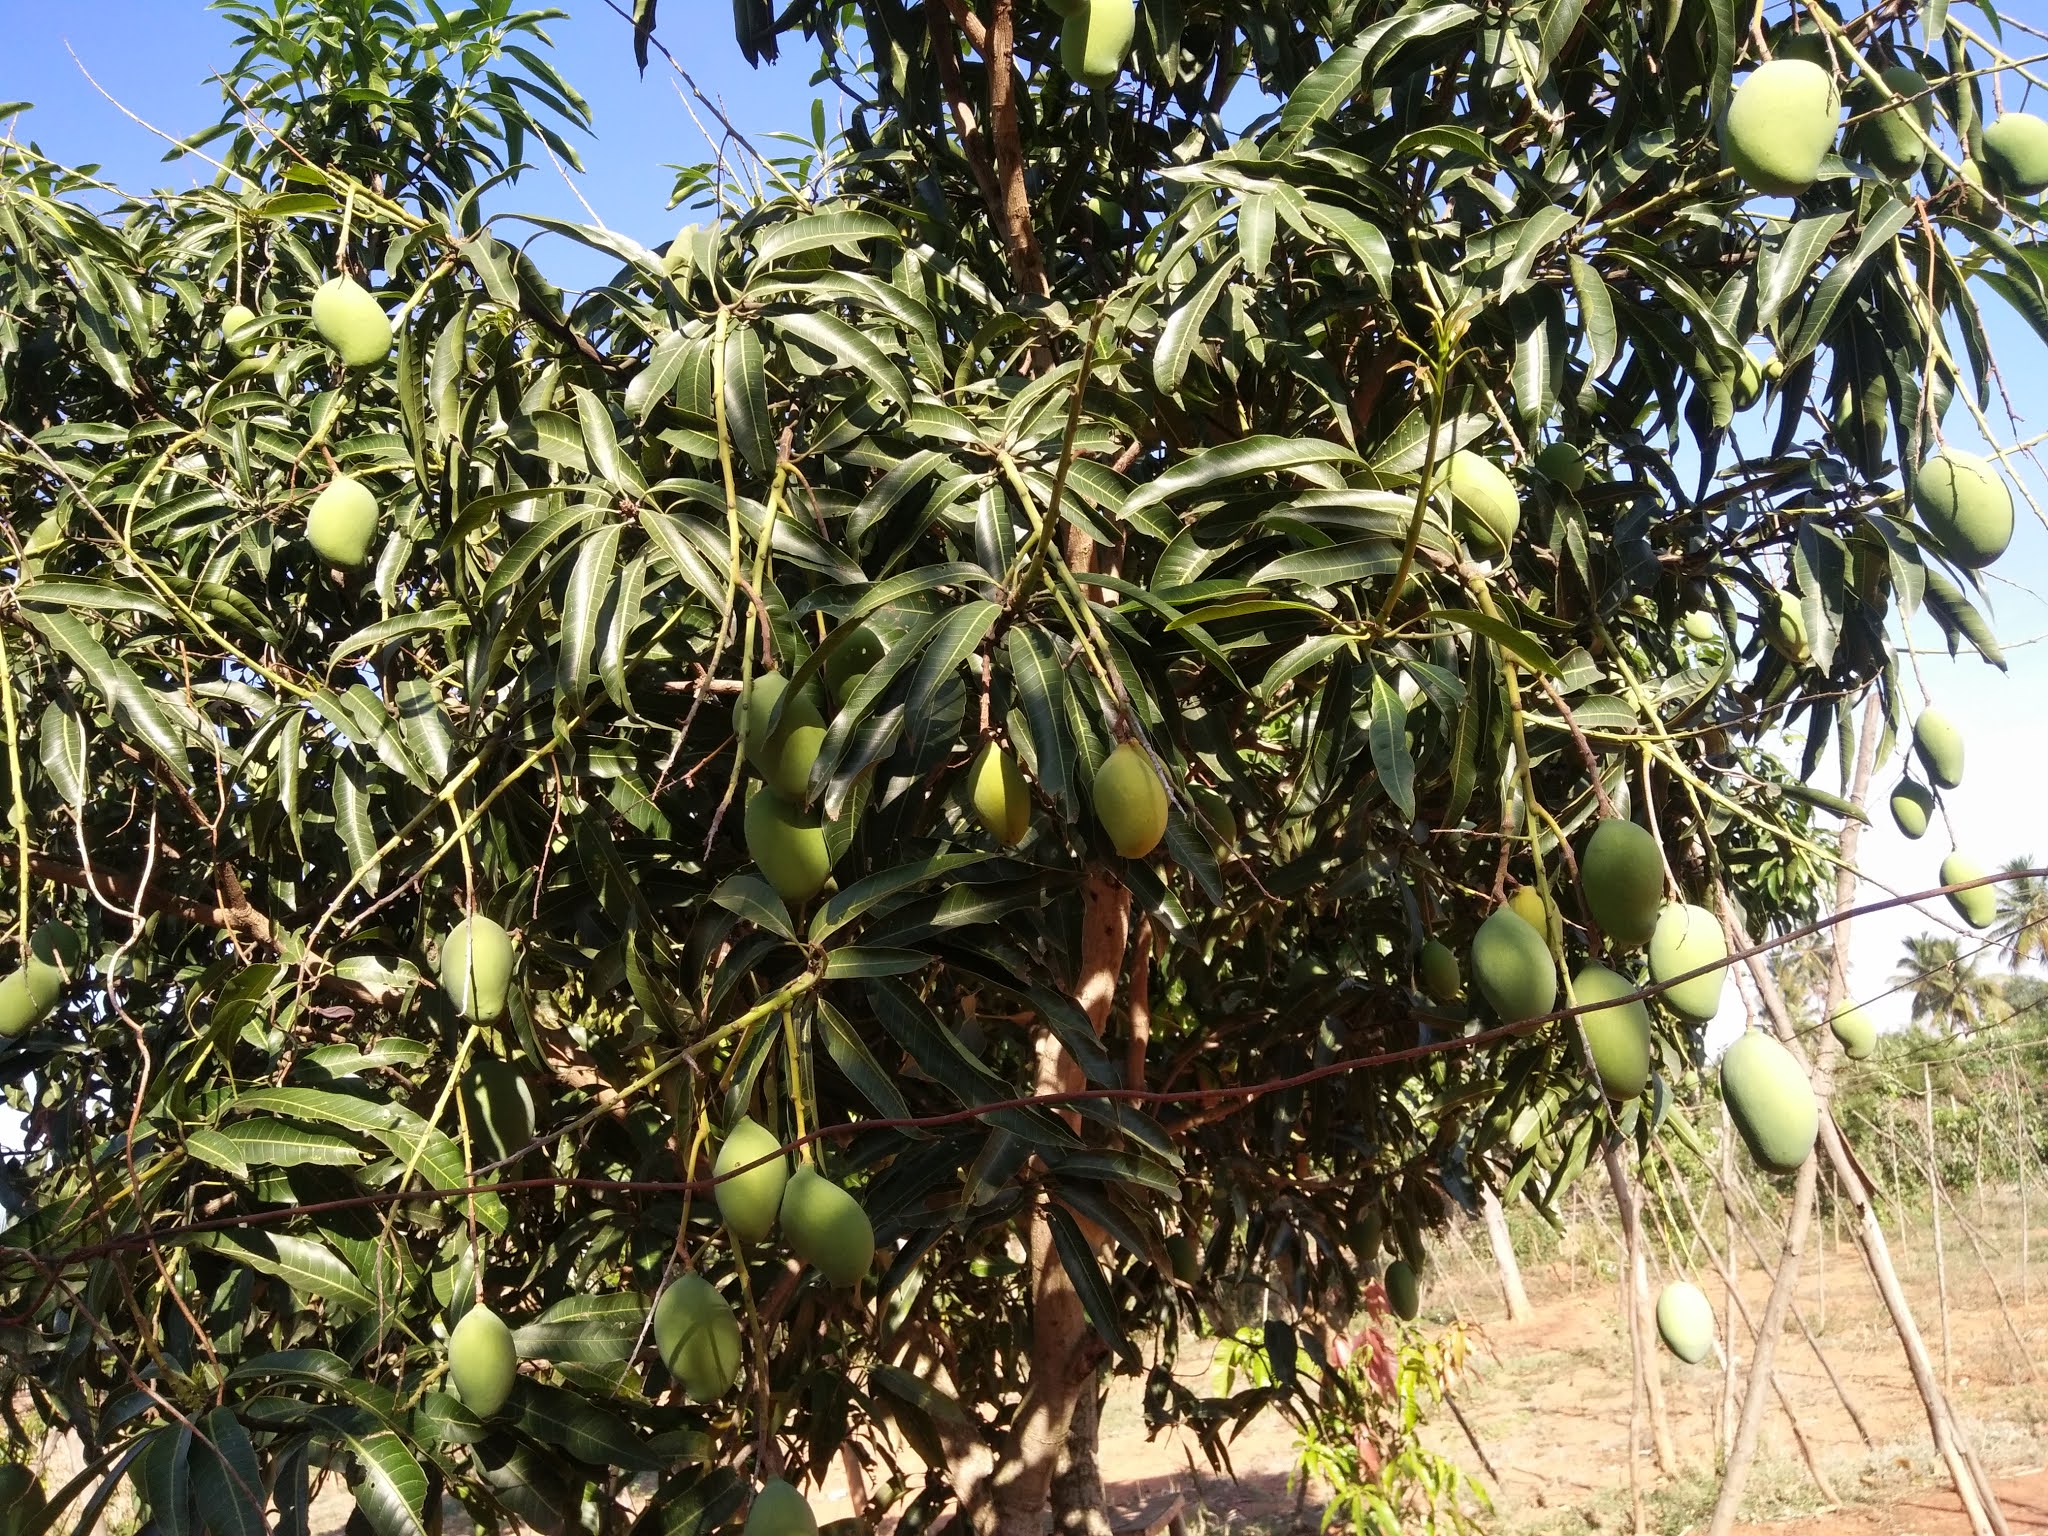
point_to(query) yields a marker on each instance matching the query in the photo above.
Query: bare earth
(1548, 1398)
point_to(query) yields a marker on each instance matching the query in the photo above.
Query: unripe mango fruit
(1618, 1035)
(1886, 138)
(699, 1338)
(1939, 746)
(826, 1228)
(52, 964)
(1687, 938)
(1856, 1031)
(476, 968)
(343, 523)
(852, 661)
(1701, 625)
(1539, 914)
(238, 330)
(1130, 802)
(1562, 464)
(1404, 1291)
(1785, 629)
(1184, 1258)
(1912, 805)
(784, 755)
(1685, 1321)
(497, 1104)
(1512, 967)
(1621, 876)
(1770, 1100)
(352, 322)
(18, 1011)
(998, 795)
(779, 1510)
(1488, 509)
(482, 1362)
(1966, 505)
(1781, 124)
(1437, 969)
(2016, 149)
(1094, 39)
(1977, 906)
(749, 1201)
(788, 845)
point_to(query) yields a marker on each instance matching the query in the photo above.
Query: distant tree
(2023, 914)
(1946, 986)
(1801, 971)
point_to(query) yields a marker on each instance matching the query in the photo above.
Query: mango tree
(1085, 695)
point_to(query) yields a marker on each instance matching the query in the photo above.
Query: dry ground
(1548, 1398)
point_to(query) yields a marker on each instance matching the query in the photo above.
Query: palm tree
(1801, 972)
(1945, 985)
(2022, 929)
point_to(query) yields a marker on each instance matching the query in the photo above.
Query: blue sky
(154, 57)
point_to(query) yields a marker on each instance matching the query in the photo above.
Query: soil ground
(1548, 1398)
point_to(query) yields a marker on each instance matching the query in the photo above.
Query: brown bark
(1064, 1350)
(1026, 262)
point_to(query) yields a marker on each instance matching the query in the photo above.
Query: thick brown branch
(1014, 217)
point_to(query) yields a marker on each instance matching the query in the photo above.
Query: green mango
(998, 795)
(1912, 806)
(1856, 1031)
(783, 756)
(1685, 939)
(698, 1337)
(1130, 801)
(1404, 1290)
(1685, 1321)
(1977, 906)
(1621, 877)
(1437, 968)
(1770, 1100)
(1939, 746)
(352, 322)
(476, 968)
(1781, 124)
(1618, 1035)
(826, 1228)
(779, 1510)
(749, 1201)
(1513, 968)
(1488, 509)
(788, 845)
(482, 1362)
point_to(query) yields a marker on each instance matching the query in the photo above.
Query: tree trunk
(1504, 1255)
(1064, 1350)
(1079, 1507)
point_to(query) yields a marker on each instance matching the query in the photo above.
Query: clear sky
(154, 56)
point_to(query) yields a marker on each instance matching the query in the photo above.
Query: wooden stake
(1948, 1364)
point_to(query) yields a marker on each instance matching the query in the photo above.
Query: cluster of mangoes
(1514, 963)
(1784, 117)
(781, 733)
(341, 525)
(1938, 743)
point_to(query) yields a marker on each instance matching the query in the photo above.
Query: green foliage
(1151, 490)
